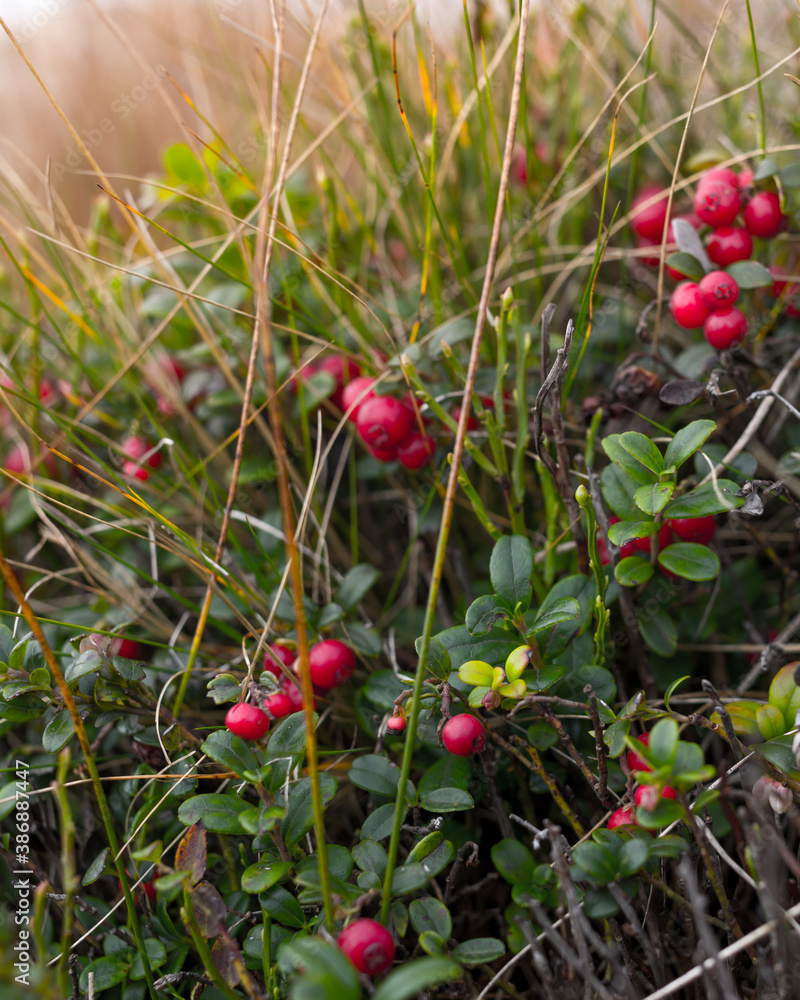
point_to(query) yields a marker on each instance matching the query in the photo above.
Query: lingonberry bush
(400, 529)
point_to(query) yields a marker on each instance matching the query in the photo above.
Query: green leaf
(667, 811)
(617, 453)
(232, 751)
(107, 973)
(264, 874)
(156, 954)
(327, 974)
(652, 498)
(687, 441)
(770, 722)
(58, 732)
(632, 570)
(618, 488)
(641, 448)
(483, 613)
(300, 815)
(282, 906)
(446, 800)
(599, 863)
(743, 717)
(690, 560)
(564, 609)
(658, 630)
(96, 868)
(713, 498)
(429, 914)
(790, 175)
(422, 848)
(633, 854)
(767, 168)
(600, 904)
(412, 978)
(183, 167)
(219, 813)
(439, 858)
(409, 877)
(750, 274)
(378, 825)
(479, 951)
(448, 771)
(627, 531)
(538, 681)
(513, 860)
(370, 856)
(668, 847)
(84, 663)
(375, 773)
(289, 737)
(510, 569)
(476, 672)
(686, 264)
(461, 646)
(784, 693)
(672, 688)
(439, 661)
(663, 743)
(779, 752)
(431, 943)
(356, 584)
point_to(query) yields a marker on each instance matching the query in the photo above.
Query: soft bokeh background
(103, 61)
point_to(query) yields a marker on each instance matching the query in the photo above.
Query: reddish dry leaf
(191, 853)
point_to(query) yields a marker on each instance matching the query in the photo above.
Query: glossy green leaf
(653, 498)
(375, 773)
(370, 856)
(448, 771)
(617, 453)
(428, 914)
(713, 498)
(219, 813)
(562, 610)
(510, 569)
(633, 854)
(690, 560)
(58, 732)
(667, 811)
(441, 800)
(770, 722)
(663, 741)
(264, 874)
(658, 630)
(750, 274)
(412, 978)
(618, 488)
(483, 613)
(378, 825)
(476, 672)
(640, 447)
(687, 440)
(686, 264)
(299, 815)
(632, 571)
(356, 584)
(230, 750)
(784, 692)
(627, 531)
(599, 863)
(478, 951)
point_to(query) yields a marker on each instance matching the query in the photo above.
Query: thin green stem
(762, 106)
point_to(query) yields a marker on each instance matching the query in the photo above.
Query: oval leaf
(690, 560)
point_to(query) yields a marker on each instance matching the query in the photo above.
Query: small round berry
(622, 818)
(472, 421)
(135, 448)
(724, 174)
(746, 178)
(725, 327)
(383, 421)
(283, 654)
(247, 721)
(648, 796)
(717, 202)
(647, 221)
(718, 289)
(331, 663)
(128, 649)
(343, 370)
(463, 735)
(728, 244)
(763, 216)
(368, 945)
(694, 529)
(416, 450)
(635, 762)
(279, 705)
(687, 308)
(396, 724)
(350, 393)
(382, 454)
(294, 694)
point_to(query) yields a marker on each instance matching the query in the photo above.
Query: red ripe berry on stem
(283, 654)
(383, 421)
(416, 450)
(635, 762)
(247, 721)
(463, 735)
(279, 705)
(353, 390)
(368, 945)
(717, 202)
(728, 244)
(294, 694)
(763, 216)
(623, 817)
(129, 649)
(724, 174)
(648, 796)
(725, 327)
(694, 529)
(687, 308)
(717, 290)
(647, 221)
(331, 663)
(396, 724)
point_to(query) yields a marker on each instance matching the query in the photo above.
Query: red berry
(247, 721)
(343, 370)
(331, 663)
(718, 289)
(724, 174)
(763, 216)
(463, 735)
(643, 544)
(717, 202)
(635, 762)
(294, 694)
(648, 796)
(519, 165)
(647, 221)
(725, 327)
(622, 817)
(18, 460)
(687, 308)
(384, 421)
(135, 448)
(746, 178)
(396, 724)
(416, 450)
(368, 945)
(728, 244)
(694, 529)
(472, 421)
(277, 651)
(279, 705)
(354, 388)
(129, 649)
(383, 454)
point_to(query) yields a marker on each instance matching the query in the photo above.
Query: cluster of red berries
(646, 796)
(699, 530)
(331, 663)
(721, 196)
(139, 458)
